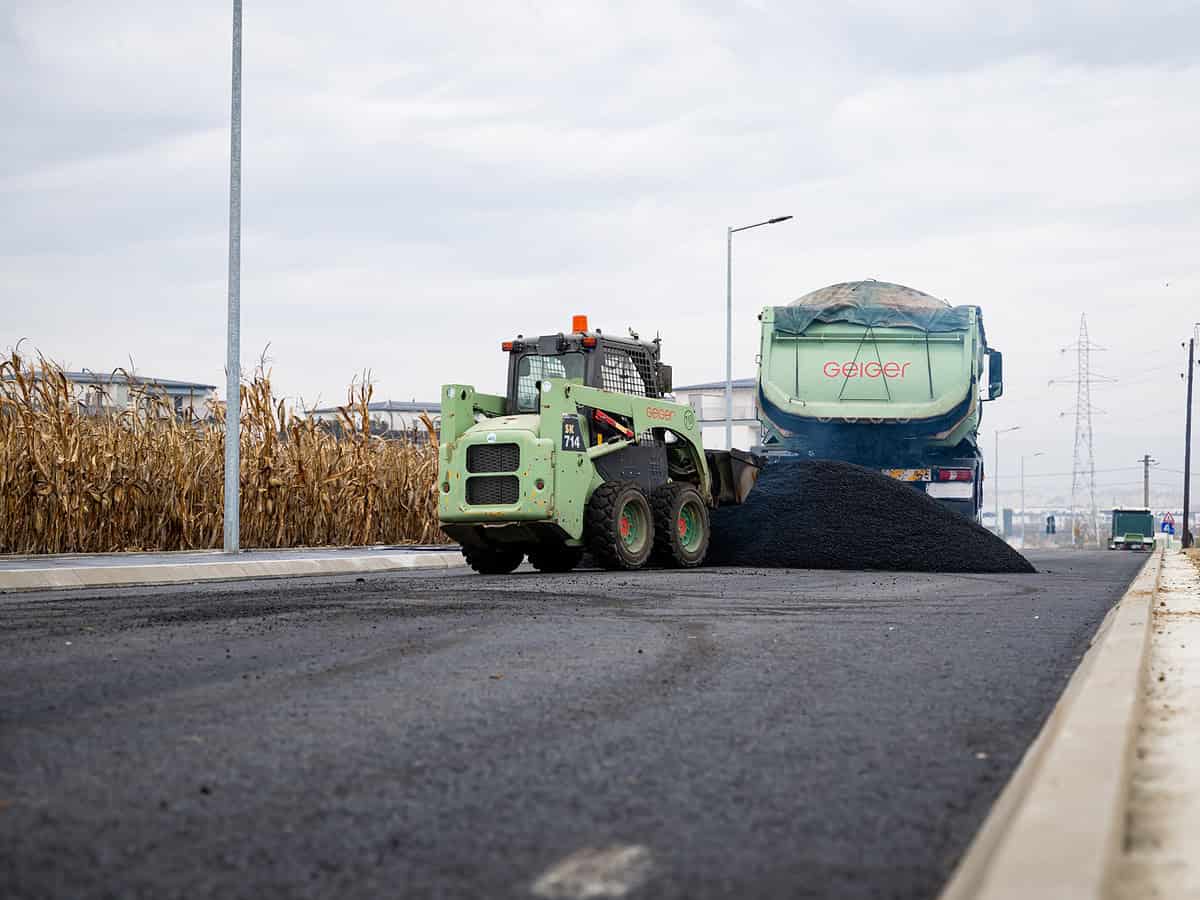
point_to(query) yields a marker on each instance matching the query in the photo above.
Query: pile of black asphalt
(823, 514)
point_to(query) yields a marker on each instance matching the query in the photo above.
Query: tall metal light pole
(996, 476)
(729, 322)
(1023, 458)
(233, 354)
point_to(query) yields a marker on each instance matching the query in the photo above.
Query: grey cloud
(947, 36)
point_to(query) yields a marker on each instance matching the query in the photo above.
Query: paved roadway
(727, 733)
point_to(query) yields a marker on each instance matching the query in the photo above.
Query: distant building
(113, 393)
(707, 400)
(389, 416)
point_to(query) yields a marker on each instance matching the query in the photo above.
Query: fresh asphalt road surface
(723, 733)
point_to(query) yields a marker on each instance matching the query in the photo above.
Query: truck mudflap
(733, 473)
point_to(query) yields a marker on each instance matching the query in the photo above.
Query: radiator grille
(493, 490)
(493, 458)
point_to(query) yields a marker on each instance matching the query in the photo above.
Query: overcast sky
(424, 180)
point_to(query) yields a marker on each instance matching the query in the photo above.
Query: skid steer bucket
(733, 474)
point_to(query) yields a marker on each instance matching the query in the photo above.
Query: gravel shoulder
(747, 732)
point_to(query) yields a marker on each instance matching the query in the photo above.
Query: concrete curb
(223, 570)
(1056, 829)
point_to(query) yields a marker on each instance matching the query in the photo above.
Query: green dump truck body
(884, 376)
(1132, 529)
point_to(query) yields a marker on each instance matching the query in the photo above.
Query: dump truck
(584, 452)
(1132, 529)
(883, 376)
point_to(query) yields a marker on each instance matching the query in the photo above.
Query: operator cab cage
(620, 365)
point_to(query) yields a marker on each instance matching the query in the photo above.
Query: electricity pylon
(1083, 470)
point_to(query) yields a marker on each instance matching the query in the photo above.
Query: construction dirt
(822, 514)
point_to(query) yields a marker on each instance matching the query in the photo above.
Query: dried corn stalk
(71, 482)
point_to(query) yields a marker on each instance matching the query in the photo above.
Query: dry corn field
(71, 482)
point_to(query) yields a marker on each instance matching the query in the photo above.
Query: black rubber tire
(602, 526)
(670, 549)
(555, 559)
(493, 560)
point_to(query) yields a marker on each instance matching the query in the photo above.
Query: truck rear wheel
(555, 559)
(619, 525)
(681, 528)
(493, 560)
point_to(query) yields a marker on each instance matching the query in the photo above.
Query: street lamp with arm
(729, 321)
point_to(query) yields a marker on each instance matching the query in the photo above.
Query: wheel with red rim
(681, 527)
(619, 525)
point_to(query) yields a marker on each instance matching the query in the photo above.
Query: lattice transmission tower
(1083, 470)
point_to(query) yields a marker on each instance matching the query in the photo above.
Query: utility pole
(996, 476)
(1187, 448)
(233, 349)
(1022, 502)
(1147, 461)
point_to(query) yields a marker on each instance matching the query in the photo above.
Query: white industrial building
(388, 415)
(707, 400)
(111, 393)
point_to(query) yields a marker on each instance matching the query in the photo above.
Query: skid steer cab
(584, 452)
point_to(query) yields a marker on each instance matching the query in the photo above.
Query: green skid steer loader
(584, 452)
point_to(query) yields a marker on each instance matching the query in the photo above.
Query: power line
(1145, 375)
(1063, 474)
(1115, 469)
(1105, 485)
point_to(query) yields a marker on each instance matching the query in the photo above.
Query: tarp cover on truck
(877, 304)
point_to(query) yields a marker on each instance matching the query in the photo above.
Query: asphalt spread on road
(721, 733)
